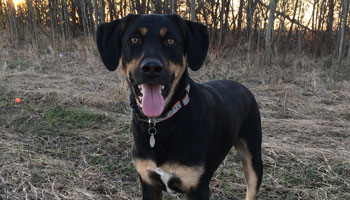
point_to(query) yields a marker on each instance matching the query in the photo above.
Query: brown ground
(69, 137)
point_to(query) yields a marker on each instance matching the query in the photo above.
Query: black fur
(202, 133)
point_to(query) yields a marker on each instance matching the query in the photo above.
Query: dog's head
(153, 51)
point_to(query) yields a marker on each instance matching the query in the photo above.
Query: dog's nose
(152, 67)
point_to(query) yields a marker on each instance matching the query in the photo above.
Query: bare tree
(166, 7)
(53, 20)
(221, 32)
(94, 4)
(240, 16)
(111, 9)
(173, 6)
(268, 44)
(84, 17)
(344, 19)
(250, 13)
(12, 22)
(193, 10)
(66, 19)
(293, 19)
(61, 20)
(157, 6)
(330, 18)
(2, 15)
(102, 11)
(32, 24)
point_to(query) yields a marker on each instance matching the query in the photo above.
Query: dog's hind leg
(248, 146)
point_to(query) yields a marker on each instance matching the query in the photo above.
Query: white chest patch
(165, 177)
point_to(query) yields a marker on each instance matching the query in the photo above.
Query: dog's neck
(179, 91)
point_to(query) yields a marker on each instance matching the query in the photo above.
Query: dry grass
(69, 138)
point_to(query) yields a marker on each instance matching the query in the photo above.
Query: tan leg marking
(143, 167)
(178, 70)
(189, 176)
(249, 174)
(163, 31)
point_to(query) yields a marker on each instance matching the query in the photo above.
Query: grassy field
(69, 137)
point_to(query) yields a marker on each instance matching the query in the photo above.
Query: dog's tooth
(163, 87)
(139, 86)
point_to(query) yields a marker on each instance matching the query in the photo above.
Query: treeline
(320, 27)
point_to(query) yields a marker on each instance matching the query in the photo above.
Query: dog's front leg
(150, 192)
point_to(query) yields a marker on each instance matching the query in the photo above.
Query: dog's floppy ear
(108, 37)
(197, 44)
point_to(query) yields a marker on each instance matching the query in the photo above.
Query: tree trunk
(152, 6)
(84, 18)
(66, 19)
(193, 10)
(330, 19)
(131, 6)
(60, 21)
(157, 6)
(111, 9)
(173, 6)
(221, 22)
(165, 7)
(124, 8)
(143, 7)
(94, 4)
(269, 30)
(32, 22)
(240, 15)
(121, 9)
(72, 15)
(250, 13)
(102, 11)
(90, 18)
(294, 14)
(227, 11)
(138, 6)
(2, 16)
(53, 20)
(344, 19)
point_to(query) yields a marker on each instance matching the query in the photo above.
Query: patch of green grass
(73, 118)
(18, 64)
(59, 119)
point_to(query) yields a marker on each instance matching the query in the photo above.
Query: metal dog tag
(152, 131)
(152, 141)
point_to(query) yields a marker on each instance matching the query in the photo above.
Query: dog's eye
(170, 41)
(135, 40)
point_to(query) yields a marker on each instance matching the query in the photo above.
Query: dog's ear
(197, 44)
(108, 38)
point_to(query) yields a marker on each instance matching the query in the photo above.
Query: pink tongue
(152, 100)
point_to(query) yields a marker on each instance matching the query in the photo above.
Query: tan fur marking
(163, 31)
(131, 66)
(143, 167)
(143, 31)
(249, 174)
(189, 176)
(178, 70)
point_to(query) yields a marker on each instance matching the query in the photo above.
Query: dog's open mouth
(150, 97)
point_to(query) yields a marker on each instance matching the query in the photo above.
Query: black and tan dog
(182, 130)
